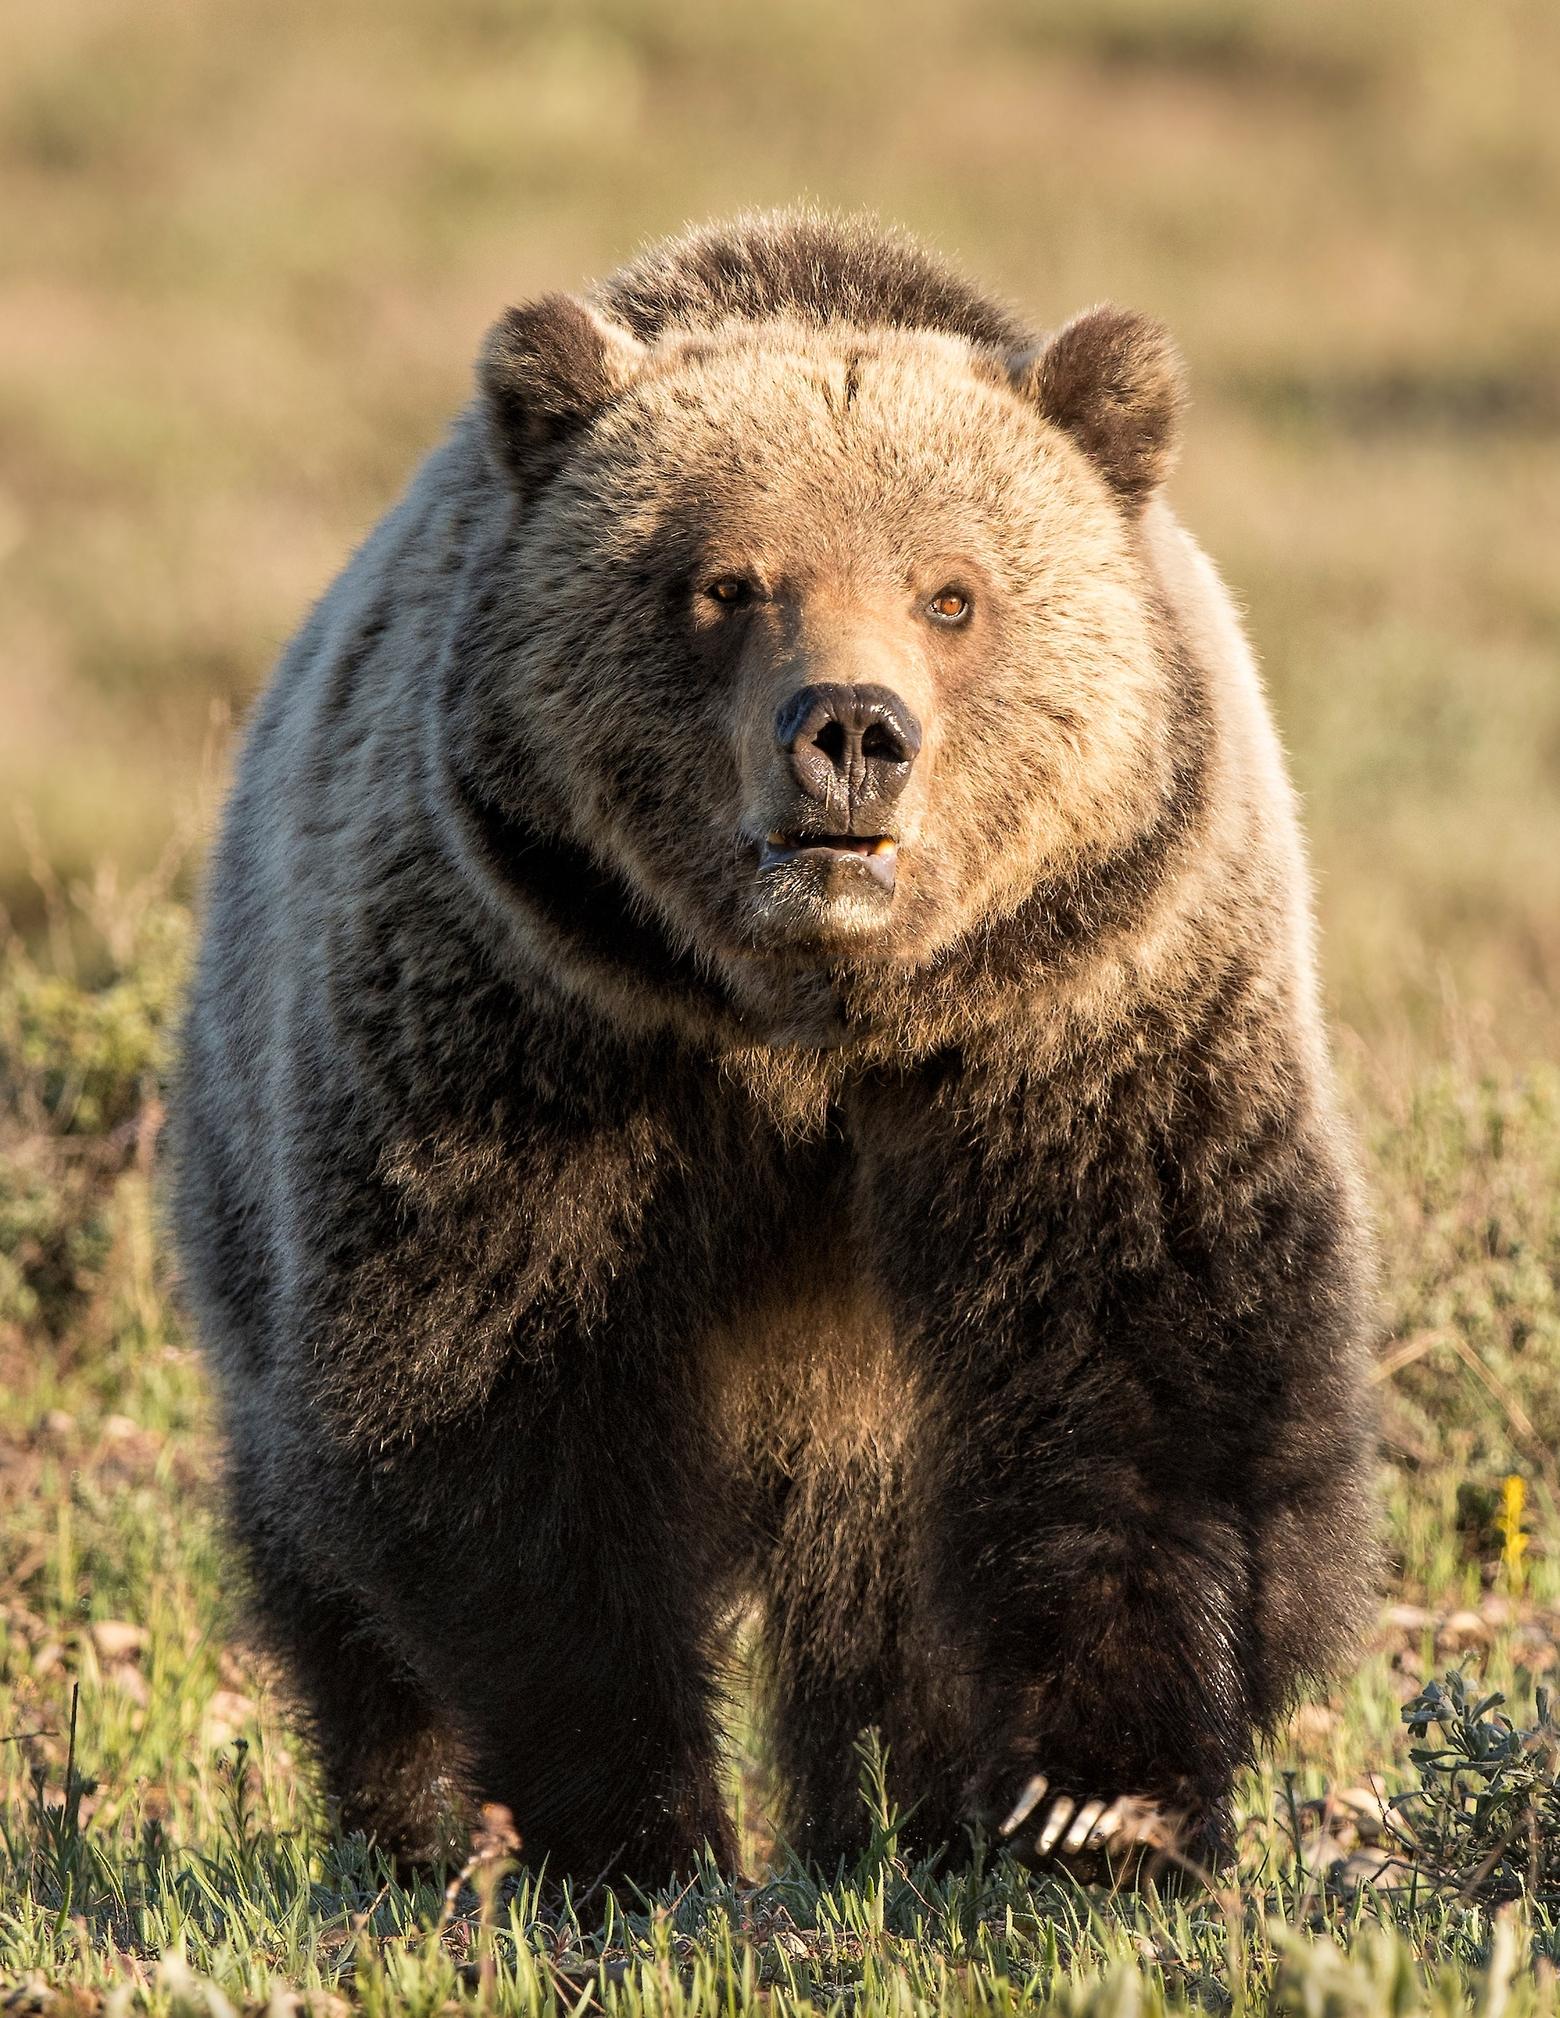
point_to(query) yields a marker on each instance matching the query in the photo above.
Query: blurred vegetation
(250, 247)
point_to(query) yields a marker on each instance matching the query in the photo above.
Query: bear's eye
(729, 589)
(949, 606)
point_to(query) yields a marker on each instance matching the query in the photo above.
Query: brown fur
(593, 1234)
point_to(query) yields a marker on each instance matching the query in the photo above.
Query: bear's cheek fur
(646, 760)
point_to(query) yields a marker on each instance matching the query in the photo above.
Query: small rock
(1385, 1869)
(1462, 1631)
(117, 1639)
(286, 2003)
(1405, 1618)
(31, 1998)
(1366, 1809)
(1327, 1852)
(227, 1715)
(128, 1679)
(59, 1422)
(236, 1671)
(1312, 1725)
(120, 1428)
(1534, 1652)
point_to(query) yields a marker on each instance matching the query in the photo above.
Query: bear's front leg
(557, 1594)
(1141, 1446)
(1112, 1701)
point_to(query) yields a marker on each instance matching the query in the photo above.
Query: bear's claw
(1124, 1827)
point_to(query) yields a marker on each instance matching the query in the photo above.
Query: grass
(161, 1838)
(248, 254)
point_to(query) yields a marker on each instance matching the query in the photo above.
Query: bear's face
(834, 643)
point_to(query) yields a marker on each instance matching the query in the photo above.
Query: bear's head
(828, 643)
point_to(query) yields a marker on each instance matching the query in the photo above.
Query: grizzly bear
(755, 1056)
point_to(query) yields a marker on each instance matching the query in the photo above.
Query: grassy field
(249, 249)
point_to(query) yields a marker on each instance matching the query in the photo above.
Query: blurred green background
(249, 251)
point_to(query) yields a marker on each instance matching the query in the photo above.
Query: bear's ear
(544, 370)
(1114, 381)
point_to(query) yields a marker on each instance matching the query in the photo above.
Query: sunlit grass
(161, 1827)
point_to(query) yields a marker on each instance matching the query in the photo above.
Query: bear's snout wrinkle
(849, 747)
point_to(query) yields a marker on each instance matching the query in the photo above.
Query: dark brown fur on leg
(574, 1642)
(388, 1761)
(603, 1749)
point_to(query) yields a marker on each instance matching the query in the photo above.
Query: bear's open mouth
(877, 853)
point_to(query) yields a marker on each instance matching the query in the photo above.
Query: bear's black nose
(856, 743)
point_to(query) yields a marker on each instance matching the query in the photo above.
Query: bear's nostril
(831, 740)
(857, 740)
(880, 741)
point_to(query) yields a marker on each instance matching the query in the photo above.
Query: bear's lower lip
(878, 854)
